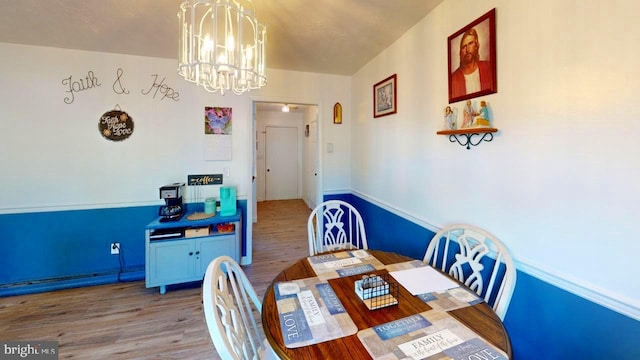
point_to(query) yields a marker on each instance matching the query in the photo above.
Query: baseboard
(73, 282)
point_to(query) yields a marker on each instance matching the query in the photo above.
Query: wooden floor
(129, 321)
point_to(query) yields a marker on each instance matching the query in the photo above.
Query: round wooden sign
(115, 125)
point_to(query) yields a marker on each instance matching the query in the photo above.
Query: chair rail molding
(612, 301)
(590, 292)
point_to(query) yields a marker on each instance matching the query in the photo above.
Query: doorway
(310, 179)
(274, 127)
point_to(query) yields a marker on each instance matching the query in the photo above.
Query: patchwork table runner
(310, 313)
(433, 334)
(345, 263)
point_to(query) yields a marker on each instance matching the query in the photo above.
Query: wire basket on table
(377, 291)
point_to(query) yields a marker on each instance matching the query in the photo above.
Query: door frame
(252, 213)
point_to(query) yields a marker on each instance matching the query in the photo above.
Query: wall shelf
(464, 137)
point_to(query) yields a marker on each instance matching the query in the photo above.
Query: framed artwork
(472, 59)
(337, 113)
(385, 97)
(218, 120)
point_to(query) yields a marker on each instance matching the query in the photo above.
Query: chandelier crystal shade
(221, 45)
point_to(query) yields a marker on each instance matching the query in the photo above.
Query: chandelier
(221, 45)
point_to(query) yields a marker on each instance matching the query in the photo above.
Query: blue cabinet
(180, 251)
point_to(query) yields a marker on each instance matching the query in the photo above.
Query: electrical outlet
(115, 248)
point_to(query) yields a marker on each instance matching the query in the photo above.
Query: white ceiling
(322, 36)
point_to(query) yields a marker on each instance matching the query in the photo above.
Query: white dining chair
(229, 302)
(335, 225)
(477, 259)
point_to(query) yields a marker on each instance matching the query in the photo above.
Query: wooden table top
(480, 317)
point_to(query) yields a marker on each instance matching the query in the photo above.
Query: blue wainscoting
(43, 251)
(546, 322)
(543, 321)
(387, 231)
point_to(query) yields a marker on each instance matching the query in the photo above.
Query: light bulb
(230, 42)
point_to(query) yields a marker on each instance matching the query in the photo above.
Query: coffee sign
(115, 125)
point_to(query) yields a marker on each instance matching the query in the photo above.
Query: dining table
(349, 336)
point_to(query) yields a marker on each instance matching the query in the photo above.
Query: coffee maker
(174, 208)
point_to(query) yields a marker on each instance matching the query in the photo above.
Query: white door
(281, 163)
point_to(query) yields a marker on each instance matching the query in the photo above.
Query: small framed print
(385, 97)
(337, 113)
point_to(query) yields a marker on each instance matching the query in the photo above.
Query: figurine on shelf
(469, 113)
(450, 117)
(483, 119)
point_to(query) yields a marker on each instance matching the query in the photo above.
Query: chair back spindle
(335, 225)
(230, 306)
(477, 259)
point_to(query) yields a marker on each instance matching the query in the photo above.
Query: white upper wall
(557, 183)
(53, 156)
(302, 88)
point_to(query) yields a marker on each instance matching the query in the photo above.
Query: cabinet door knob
(197, 252)
(190, 253)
